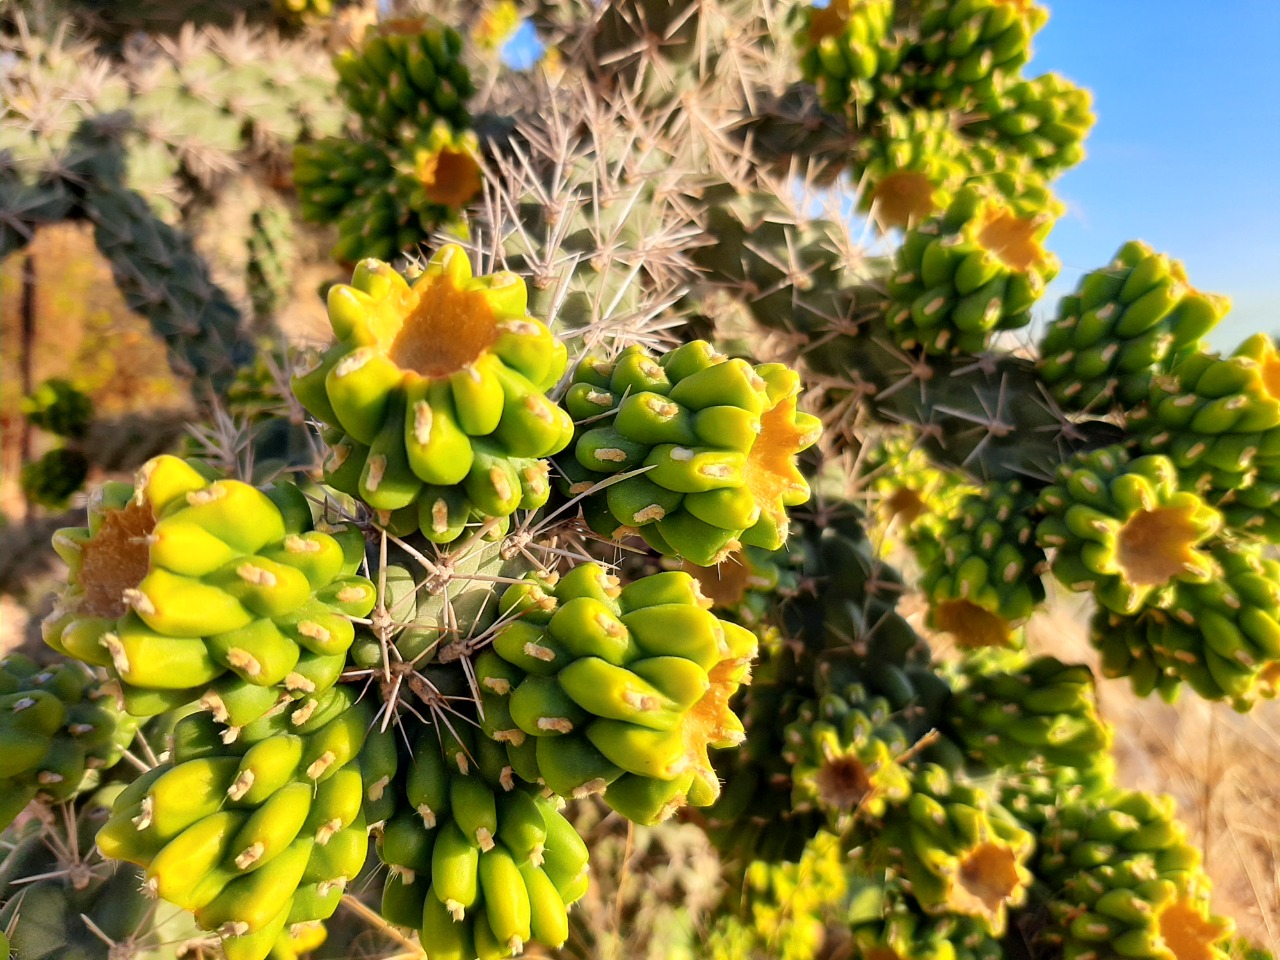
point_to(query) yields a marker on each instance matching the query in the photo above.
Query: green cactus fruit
(911, 169)
(1221, 636)
(407, 74)
(1123, 324)
(1126, 883)
(625, 691)
(437, 391)
(843, 45)
(333, 172)
(256, 828)
(976, 269)
(54, 478)
(60, 730)
(1045, 120)
(478, 859)
(1035, 796)
(1217, 418)
(845, 757)
(58, 407)
(709, 444)
(966, 48)
(961, 852)
(1122, 529)
(180, 579)
(982, 566)
(268, 272)
(1046, 711)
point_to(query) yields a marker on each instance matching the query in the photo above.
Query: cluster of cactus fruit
(607, 523)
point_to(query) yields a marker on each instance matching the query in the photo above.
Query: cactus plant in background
(610, 482)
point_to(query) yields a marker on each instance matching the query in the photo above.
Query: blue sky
(1186, 151)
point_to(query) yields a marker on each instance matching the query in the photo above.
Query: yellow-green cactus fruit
(967, 46)
(844, 755)
(1221, 637)
(1124, 323)
(709, 445)
(258, 833)
(58, 728)
(180, 579)
(886, 923)
(843, 45)
(982, 566)
(911, 168)
(1123, 529)
(1045, 120)
(908, 488)
(962, 853)
(620, 691)
(786, 908)
(975, 269)
(441, 173)
(1126, 883)
(1047, 711)
(437, 393)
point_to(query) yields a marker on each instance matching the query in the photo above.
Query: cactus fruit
(708, 443)
(1122, 324)
(982, 566)
(965, 48)
(479, 860)
(1222, 636)
(620, 691)
(437, 394)
(1126, 883)
(961, 852)
(1046, 120)
(911, 169)
(179, 579)
(1045, 713)
(405, 75)
(60, 729)
(256, 829)
(843, 45)
(976, 269)
(844, 757)
(1123, 530)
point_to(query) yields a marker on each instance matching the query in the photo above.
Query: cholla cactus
(600, 372)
